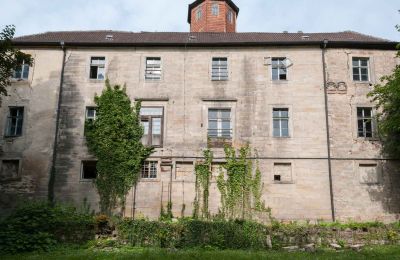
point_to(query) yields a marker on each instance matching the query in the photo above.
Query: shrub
(38, 226)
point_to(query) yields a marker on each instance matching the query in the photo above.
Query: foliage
(115, 139)
(166, 215)
(38, 226)
(202, 186)
(387, 97)
(241, 192)
(10, 58)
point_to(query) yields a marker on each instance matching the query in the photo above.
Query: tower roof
(198, 2)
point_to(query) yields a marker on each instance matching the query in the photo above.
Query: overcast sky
(374, 17)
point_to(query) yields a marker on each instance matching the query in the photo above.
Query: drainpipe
(50, 195)
(324, 45)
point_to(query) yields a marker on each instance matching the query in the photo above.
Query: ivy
(202, 185)
(115, 139)
(240, 191)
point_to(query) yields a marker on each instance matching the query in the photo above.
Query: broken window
(22, 72)
(360, 69)
(219, 69)
(279, 69)
(97, 68)
(219, 123)
(89, 170)
(280, 122)
(9, 169)
(149, 170)
(215, 9)
(283, 172)
(365, 122)
(15, 121)
(153, 68)
(152, 122)
(369, 173)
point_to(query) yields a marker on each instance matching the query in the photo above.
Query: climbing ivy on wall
(240, 189)
(202, 185)
(114, 137)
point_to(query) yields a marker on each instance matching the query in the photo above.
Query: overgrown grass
(379, 252)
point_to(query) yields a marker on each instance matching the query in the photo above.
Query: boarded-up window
(283, 172)
(184, 170)
(9, 170)
(369, 173)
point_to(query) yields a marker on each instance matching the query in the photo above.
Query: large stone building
(298, 98)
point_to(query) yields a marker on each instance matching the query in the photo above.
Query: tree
(10, 58)
(114, 137)
(387, 97)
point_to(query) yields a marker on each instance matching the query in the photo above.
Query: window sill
(282, 137)
(96, 80)
(369, 139)
(87, 180)
(12, 137)
(363, 82)
(283, 182)
(218, 142)
(149, 180)
(280, 81)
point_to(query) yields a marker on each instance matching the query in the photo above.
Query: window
(280, 122)
(22, 72)
(89, 170)
(219, 69)
(97, 67)
(15, 121)
(365, 122)
(152, 122)
(369, 174)
(90, 113)
(279, 70)
(360, 69)
(199, 13)
(215, 9)
(9, 169)
(219, 123)
(153, 68)
(149, 170)
(283, 172)
(229, 16)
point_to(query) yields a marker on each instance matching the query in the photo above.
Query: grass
(380, 252)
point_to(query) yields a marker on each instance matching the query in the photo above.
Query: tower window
(215, 9)
(229, 16)
(199, 13)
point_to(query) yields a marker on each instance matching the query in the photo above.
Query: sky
(373, 17)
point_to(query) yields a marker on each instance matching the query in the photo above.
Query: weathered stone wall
(38, 95)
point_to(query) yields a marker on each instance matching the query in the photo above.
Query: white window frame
(151, 165)
(229, 16)
(364, 118)
(153, 72)
(21, 67)
(279, 67)
(199, 13)
(215, 9)
(219, 121)
(87, 117)
(103, 66)
(359, 67)
(217, 73)
(281, 119)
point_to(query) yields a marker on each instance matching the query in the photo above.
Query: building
(298, 98)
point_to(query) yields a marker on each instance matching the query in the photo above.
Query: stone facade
(186, 92)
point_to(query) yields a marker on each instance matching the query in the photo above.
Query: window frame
(364, 119)
(9, 120)
(229, 16)
(359, 67)
(215, 9)
(149, 176)
(220, 120)
(21, 78)
(82, 179)
(149, 119)
(99, 65)
(279, 69)
(280, 118)
(147, 69)
(219, 68)
(199, 13)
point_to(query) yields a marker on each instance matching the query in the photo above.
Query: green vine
(202, 185)
(240, 191)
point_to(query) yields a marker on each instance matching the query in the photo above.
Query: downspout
(50, 195)
(324, 45)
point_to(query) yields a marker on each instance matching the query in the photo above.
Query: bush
(38, 226)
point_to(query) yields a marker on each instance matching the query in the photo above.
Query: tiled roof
(110, 38)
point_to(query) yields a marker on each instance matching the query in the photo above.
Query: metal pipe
(50, 194)
(328, 141)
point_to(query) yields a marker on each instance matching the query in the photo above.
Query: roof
(201, 39)
(198, 2)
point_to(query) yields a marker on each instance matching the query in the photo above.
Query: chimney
(212, 16)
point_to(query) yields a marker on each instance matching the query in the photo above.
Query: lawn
(381, 252)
